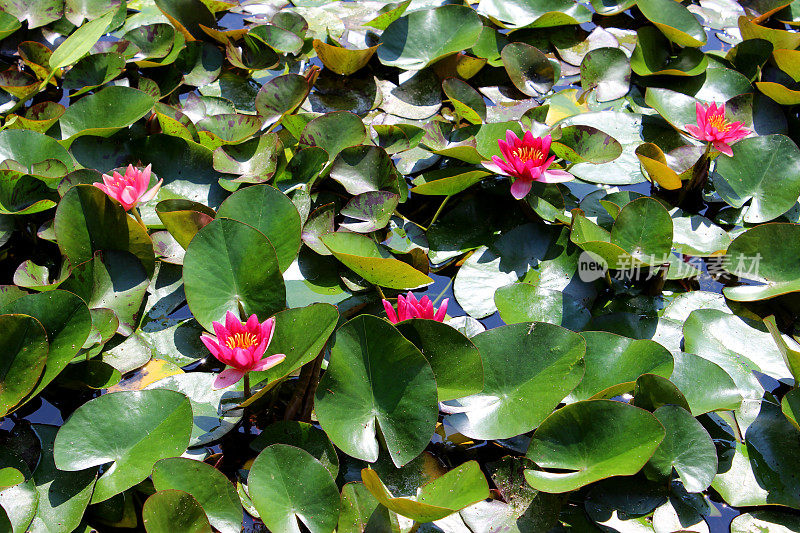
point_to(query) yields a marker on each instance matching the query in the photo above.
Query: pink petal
(220, 330)
(556, 176)
(520, 188)
(494, 167)
(232, 324)
(528, 138)
(723, 148)
(241, 358)
(401, 308)
(696, 132)
(269, 362)
(442, 311)
(211, 344)
(268, 329)
(149, 195)
(700, 111)
(546, 141)
(102, 188)
(108, 180)
(228, 377)
(144, 177)
(252, 324)
(128, 197)
(390, 312)
(411, 299)
(130, 174)
(512, 139)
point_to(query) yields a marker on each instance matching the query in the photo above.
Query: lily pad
(528, 370)
(416, 40)
(230, 264)
(287, 484)
(157, 425)
(377, 380)
(613, 439)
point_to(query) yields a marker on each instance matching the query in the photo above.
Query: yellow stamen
(241, 340)
(719, 122)
(526, 153)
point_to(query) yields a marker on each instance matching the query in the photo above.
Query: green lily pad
(594, 440)
(526, 302)
(582, 144)
(528, 370)
(280, 95)
(65, 319)
(606, 71)
(114, 280)
(230, 264)
(652, 56)
(445, 495)
(24, 348)
(373, 262)
(715, 392)
(535, 13)
(746, 344)
(187, 16)
(29, 148)
(776, 269)
(687, 448)
(158, 424)
(104, 113)
(372, 211)
(422, 37)
(213, 410)
(93, 71)
(272, 213)
(184, 218)
(765, 520)
(360, 509)
(613, 363)
(757, 173)
(363, 169)
(300, 435)
(287, 484)
(167, 510)
(675, 21)
(253, 161)
(207, 485)
(377, 380)
(63, 495)
(300, 334)
(455, 360)
(333, 132)
(468, 102)
(341, 60)
(529, 69)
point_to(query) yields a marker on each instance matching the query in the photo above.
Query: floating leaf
(377, 380)
(447, 494)
(287, 484)
(157, 425)
(520, 389)
(24, 348)
(230, 264)
(613, 439)
(416, 40)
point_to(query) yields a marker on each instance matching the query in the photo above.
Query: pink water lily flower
(242, 346)
(526, 160)
(409, 307)
(131, 188)
(713, 127)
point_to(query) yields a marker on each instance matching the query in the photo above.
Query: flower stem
(438, 212)
(138, 217)
(247, 392)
